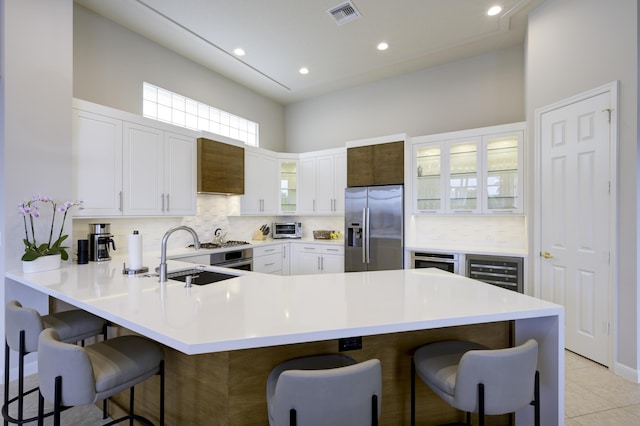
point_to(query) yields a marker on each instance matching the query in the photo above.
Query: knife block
(258, 236)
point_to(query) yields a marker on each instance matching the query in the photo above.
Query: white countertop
(256, 310)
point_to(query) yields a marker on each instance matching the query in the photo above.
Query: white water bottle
(135, 251)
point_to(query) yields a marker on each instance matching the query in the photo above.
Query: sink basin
(199, 277)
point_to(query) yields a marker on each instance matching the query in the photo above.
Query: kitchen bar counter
(256, 311)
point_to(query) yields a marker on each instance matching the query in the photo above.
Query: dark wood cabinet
(379, 164)
(220, 167)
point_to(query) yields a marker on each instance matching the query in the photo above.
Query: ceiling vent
(343, 13)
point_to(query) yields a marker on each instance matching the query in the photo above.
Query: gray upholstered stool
(22, 328)
(71, 375)
(324, 390)
(475, 379)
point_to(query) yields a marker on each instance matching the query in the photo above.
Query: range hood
(220, 168)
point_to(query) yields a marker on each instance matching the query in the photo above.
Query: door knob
(546, 254)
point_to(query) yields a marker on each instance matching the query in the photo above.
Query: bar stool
(72, 375)
(22, 328)
(472, 378)
(328, 389)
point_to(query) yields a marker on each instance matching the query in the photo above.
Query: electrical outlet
(349, 343)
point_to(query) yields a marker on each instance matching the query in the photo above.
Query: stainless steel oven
(235, 259)
(446, 261)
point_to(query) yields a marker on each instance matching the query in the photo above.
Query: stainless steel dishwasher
(503, 271)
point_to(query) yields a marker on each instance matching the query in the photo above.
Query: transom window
(164, 105)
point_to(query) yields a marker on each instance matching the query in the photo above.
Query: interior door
(575, 219)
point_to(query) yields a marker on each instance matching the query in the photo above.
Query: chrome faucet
(162, 270)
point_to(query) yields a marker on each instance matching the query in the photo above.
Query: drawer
(331, 249)
(266, 250)
(268, 264)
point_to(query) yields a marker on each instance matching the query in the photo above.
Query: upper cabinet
(261, 183)
(377, 164)
(122, 167)
(288, 181)
(220, 167)
(322, 179)
(472, 171)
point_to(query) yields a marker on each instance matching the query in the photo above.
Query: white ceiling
(281, 36)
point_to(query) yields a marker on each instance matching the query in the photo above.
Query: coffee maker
(99, 240)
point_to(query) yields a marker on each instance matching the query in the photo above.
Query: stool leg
(536, 395)
(40, 409)
(292, 417)
(5, 405)
(21, 376)
(413, 393)
(161, 393)
(57, 401)
(374, 410)
(131, 398)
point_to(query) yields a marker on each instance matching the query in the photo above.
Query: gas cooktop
(230, 243)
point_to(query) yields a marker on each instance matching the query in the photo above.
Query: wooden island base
(229, 388)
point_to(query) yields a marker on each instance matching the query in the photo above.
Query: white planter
(44, 263)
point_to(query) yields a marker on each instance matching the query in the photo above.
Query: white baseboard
(627, 372)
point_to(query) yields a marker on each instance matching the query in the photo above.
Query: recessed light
(239, 51)
(494, 10)
(383, 45)
(304, 70)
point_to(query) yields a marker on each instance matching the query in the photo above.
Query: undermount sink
(199, 277)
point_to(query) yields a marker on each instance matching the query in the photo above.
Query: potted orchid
(35, 249)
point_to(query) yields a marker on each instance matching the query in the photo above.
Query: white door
(575, 236)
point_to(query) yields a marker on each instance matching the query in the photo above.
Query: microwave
(287, 230)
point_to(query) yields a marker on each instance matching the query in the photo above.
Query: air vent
(346, 12)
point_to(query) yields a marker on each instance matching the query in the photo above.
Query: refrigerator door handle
(364, 235)
(368, 237)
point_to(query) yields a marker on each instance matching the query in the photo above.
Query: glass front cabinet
(474, 171)
(288, 186)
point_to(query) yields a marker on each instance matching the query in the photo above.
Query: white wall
(574, 46)
(37, 81)
(481, 91)
(111, 62)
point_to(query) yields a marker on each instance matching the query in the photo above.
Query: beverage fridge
(374, 228)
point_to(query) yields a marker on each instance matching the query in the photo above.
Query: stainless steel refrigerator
(374, 228)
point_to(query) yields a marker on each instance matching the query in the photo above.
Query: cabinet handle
(284, 252)
(314, 205)
(319, 268)
(269, 264)
(321, 263)
(267, 250)
(168, 202)
(331, 249)
(162, 201)
(120, 200)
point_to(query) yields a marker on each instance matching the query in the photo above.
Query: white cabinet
(314, 258)
(288, 184)
(473, 171)
(97, 163)
(268, 259)
(122, 167)
(322, 178)
(261, 183)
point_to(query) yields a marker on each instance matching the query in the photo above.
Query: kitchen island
(222, 339)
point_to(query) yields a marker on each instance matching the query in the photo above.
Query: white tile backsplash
(214, 211)
(221, 211)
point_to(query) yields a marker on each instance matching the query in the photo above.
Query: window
(163, 105)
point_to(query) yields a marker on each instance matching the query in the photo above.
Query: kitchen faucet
(162, 270)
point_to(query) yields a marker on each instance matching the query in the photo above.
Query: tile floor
(593, 397)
